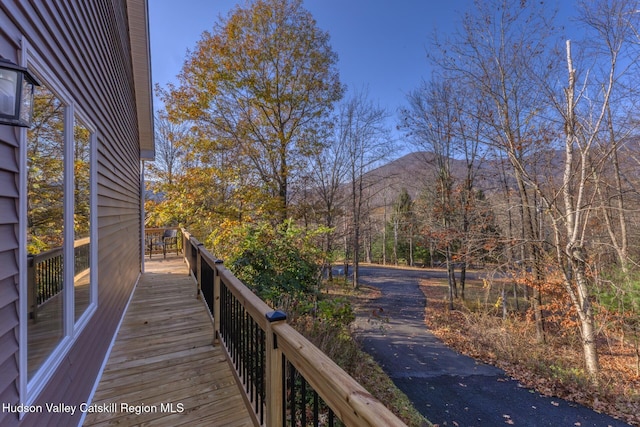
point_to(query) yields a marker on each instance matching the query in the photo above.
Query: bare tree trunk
(463, 277)
(432, 250)
(363, 132)
(613, 206)
(411, 245)
(450, 279)
(575, 252)
(346, 250)
(451, 276)
(384, 233)
(531, 254)
(395, 242)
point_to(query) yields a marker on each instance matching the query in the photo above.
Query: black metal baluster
(292, 396)
(303, 400)
(234, 329)
(261, 373)
(236, 335)
(245, 350)
(316, 420)
(254, 364)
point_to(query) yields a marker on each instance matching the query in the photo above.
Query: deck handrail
(45, 273)
(274, 362)
(153, 240)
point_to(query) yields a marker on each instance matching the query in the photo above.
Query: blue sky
(381, 44)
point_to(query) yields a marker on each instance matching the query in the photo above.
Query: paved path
(448, 388)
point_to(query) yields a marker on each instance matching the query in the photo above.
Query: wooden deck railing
(286, 379)
(45, 273)
(154, 243)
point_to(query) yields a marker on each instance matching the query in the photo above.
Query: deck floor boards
(163, 355)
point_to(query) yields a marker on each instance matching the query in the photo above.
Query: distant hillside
(412, 171)
(417, 171)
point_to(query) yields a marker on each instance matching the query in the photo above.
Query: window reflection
(45, 227)
(82, 210)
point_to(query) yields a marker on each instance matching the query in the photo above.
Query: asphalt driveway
(448, 388)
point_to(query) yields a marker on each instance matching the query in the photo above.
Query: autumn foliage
(258, 91)
(556, 367)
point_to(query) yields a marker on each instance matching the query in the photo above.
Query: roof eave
(138, 15)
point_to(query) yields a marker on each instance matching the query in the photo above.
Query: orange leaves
(559, 312)
(553, 368)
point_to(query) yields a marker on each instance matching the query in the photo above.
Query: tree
(402, 220)
(362, 130)
(261, 84)
(509, 69)
(588, 126)
(328, 170)
(614, 48)
(45, 178)
(430, 119)
(528, 116)
(170, 137)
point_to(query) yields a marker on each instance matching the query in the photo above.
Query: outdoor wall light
(16, 94)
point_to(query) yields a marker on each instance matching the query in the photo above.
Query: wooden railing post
(199, 269)
(32, 288)
(216, 302)
(274, 372)
(185, 241)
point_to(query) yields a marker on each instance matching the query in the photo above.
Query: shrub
(279, 264)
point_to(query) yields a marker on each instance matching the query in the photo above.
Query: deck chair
(169, 241)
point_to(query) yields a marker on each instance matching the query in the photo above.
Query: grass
(476, 327)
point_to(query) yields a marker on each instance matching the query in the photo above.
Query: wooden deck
(45, 333)
(163, 370)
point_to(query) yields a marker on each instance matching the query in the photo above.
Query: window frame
(29, 389)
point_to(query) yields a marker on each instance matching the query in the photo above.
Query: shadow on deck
(163, 369)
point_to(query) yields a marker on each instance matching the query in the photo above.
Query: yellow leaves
(256, 86)
(220, 239)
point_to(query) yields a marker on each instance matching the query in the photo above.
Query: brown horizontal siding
(8, 293)
(8, 211)
(8, 158)
(10, 242)
(116, 164)
(8, 184)
(8, 347)
(86, 45)
(9, 395)
(8, 266)
(8, 319)
(112, 187)
(8, 340)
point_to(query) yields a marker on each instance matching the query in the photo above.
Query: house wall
(8, 269)
(86, 46)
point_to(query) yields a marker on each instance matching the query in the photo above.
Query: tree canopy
(260, 86)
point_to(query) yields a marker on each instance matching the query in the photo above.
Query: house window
(82, 137)
(45, 227)
(60, 242)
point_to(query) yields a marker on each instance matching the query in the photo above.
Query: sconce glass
(16, 94)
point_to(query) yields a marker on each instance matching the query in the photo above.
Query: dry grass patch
(555, 368)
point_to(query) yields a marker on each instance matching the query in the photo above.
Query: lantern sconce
(16, 94)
